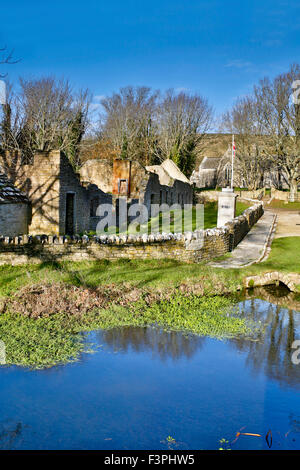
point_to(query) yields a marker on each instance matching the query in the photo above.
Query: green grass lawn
(211, 212)
(291, 206)
(285, 256)
(177, 217)
(210, 216)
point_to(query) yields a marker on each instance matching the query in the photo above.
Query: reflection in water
(9, 435)
(127, 400)
(271, 352)
(274, 351)
(163, 344)
(277, 295)
(295, 423)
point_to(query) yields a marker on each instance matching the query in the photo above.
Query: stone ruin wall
(283, 195)
(46, 182)
(182, 247)
(14, 218)
(203, 196)
(145, 186)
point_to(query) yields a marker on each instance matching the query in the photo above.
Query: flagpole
(232, 160)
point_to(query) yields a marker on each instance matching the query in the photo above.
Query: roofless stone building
(64, 202)
(14, 209)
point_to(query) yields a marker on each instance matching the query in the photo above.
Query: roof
(166, 171)
(172, 169)
(210, 163)
(164, 177)
(9, 193)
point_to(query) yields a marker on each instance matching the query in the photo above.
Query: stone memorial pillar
(226, 206)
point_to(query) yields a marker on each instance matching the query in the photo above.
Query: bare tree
(11, 121)
(6, 57)
(149, 127)
(54, 117)
(251, 161)
(182, 122)
(279, 118)
(12, 152)
(128, 122)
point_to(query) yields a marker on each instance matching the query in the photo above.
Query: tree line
(135, 123)
(150, 126)
(43, 114)
(267, 128)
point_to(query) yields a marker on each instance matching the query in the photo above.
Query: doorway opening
(70, 214)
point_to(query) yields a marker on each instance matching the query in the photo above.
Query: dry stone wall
(283, 195)
(194, 246)
(243, 195)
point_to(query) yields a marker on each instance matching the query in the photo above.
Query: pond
(143, 385)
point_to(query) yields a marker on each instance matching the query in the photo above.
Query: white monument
(226, 206)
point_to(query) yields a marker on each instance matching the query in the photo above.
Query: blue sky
(217, 48)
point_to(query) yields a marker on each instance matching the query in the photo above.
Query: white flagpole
(232, 160)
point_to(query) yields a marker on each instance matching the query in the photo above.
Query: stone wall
(14, 219)
(98, 172)
(84, 195)
(283, 195)
(241, 225)
(156, 193)
(195, 246)
(47, 181)
(40, 181)
(213, 195)
(144, 186)
(215, 244)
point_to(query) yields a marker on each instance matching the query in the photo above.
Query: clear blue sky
(217, 48)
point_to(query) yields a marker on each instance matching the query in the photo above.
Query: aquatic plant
(57, 338)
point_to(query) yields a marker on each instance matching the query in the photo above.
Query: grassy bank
(285, 256)
(42, 326)
(47, 341)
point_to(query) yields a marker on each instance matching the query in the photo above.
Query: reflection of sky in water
(144, 384)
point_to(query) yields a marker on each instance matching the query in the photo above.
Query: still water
(143, 385)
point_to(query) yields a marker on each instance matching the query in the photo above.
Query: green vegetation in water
(171, 443)
(47, 341)
(225, 444)
(40, 342)
(195, 314)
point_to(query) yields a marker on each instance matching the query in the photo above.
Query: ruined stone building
(156, 184)
(63, 202)
(132, 183)
(14, 209)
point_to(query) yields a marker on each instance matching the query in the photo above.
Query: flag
(233, 148)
